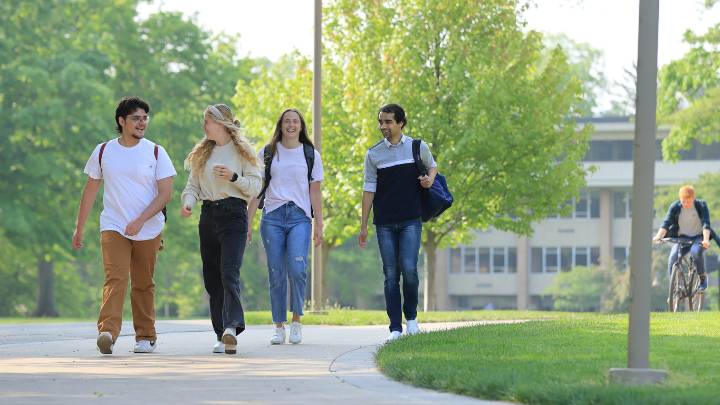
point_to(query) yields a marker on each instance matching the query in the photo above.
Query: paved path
(59, 364)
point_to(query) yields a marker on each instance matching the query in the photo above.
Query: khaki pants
(123, 258)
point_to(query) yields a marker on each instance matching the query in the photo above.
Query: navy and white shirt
(391, 174)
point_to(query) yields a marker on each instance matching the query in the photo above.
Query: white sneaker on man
(394, 335)
(229, 340)
(219, 347)
(144, 346)
(412, 327)
(278, 336)
(105, 343)
(295, 333)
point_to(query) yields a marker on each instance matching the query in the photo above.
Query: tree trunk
(430, 252)
(46, 295)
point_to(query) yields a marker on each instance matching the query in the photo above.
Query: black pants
(223, 233)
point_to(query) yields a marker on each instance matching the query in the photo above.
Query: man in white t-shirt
(138, 176)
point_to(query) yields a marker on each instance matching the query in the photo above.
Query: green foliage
(689, 94)
(563, 361)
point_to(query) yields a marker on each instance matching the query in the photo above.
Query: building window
(536, 255)
(581, 257)
(711, 262)
(566, 259)
(622, 203)
(484, 260)
(595, 255)
(594, 204)
(469, 261)
(552, 257)
(498, 263)
(512, 260)
(455, 260)
(620, 255)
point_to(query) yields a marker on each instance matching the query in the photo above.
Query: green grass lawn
(564, 360)
(350, 317)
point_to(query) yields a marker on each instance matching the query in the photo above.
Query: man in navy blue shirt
(392, 190)
(688, 218)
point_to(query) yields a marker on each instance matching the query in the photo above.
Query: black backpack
(268, 155)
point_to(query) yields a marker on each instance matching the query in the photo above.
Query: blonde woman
(224, 175)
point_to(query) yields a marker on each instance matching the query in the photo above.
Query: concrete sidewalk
(58, 363)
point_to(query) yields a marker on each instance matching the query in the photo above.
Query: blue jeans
(399, 245)
(286, 233)
(696, 250)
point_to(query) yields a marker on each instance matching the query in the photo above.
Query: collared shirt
(391, 174)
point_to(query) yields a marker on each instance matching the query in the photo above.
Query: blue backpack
(436, 199)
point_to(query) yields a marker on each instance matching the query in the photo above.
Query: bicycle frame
(684, 279)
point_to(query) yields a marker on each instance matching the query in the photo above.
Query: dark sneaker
(703, 283)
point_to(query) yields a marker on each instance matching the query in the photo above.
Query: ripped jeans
(286, 234)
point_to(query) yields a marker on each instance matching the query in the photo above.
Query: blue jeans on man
(286, 235)
(399, 245)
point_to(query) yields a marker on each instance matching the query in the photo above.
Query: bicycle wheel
(675, 290)
(695, 300)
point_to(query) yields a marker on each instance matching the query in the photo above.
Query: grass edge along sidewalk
(562, 361)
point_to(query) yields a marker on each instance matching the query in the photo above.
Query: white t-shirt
(288, 178)
(130, 176)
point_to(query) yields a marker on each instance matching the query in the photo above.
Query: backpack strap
(419, 165)
(100, 155)
(309, 160)
(267, 161)
(155, 152)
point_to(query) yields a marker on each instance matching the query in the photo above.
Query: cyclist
(688, 218)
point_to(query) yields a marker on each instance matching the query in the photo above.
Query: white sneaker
(394, 335)
(230, 341)
(105, 343)
(219, 347)
(144, 346)
(412, 327)
(295, 333)
(278, 337)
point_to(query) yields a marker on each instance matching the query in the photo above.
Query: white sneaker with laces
(412, 327)
(394, 335)
(295, 333)
(144, 346)
(219, 347)
(229, 340)
(105, 343)
(278, 336)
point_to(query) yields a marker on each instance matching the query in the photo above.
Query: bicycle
(684, 279)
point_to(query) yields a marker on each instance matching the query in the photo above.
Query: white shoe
(105, 343)
(144, 346)
(412, 327)
(278, 337)
(219, 347)
(295, 333)
(229, 340)
(394, 335)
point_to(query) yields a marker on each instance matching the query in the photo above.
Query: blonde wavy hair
(200, 153)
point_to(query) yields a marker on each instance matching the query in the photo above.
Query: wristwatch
(234, 177)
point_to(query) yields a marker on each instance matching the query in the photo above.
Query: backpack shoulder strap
(416, 157)
(267, 161)
(100, 155)
(155, 152)
(309, 160)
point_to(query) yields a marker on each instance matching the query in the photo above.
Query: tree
(500, 123)
(689, 94)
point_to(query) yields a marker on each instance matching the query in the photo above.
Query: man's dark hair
(127, 106)
(397, 111)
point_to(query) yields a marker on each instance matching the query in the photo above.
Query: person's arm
(666, 224)
(369, 188)
(705, 219)
(367, 200)
(190, 195)
(86, 203)
(157, 204)
(316, 202)
(427, 159)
